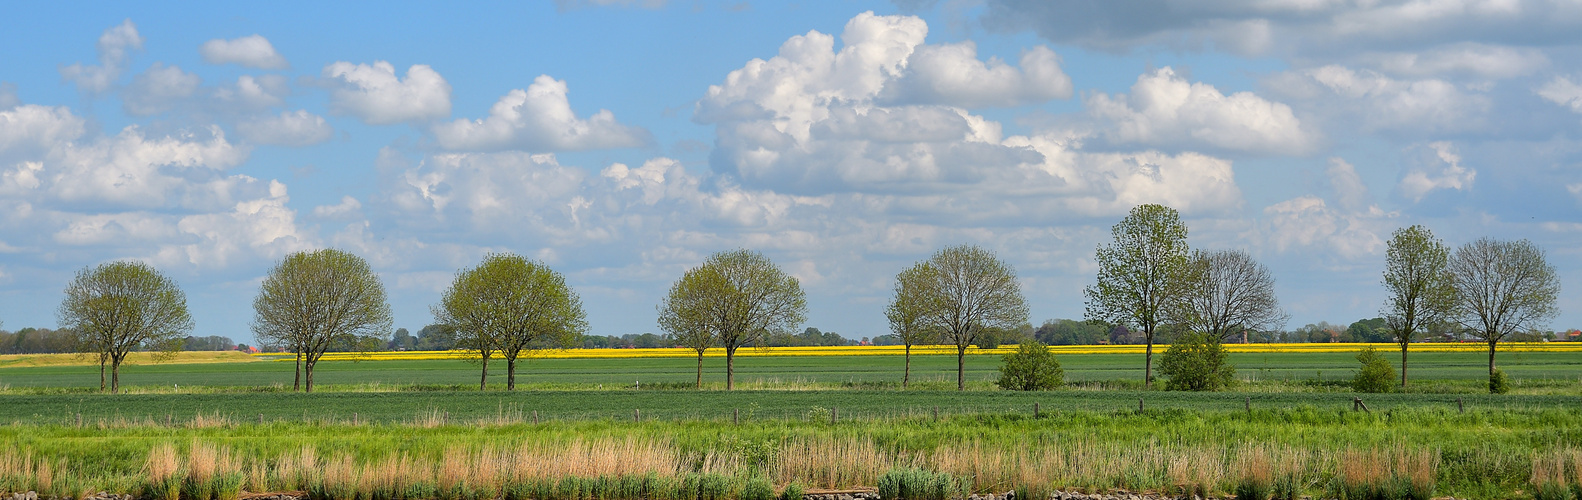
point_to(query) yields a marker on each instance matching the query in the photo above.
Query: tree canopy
(1419, 285)
(1144, 274)
(316, 301)
(1230, 293)
(966, 290)
(509, 304)
(1502, 287)
(740, 297)
(119, 307)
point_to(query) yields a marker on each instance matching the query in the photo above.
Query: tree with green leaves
(1144, 276)
(316, 301)
(119, 307)
(683, 314)
(740, 296)
(511, 305)
(1230, 293)
(1031, 368)
(908, 312)
(966, 290)
(1421, 291)
(1197, 362)
(1502, 287)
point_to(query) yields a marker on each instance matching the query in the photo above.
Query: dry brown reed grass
(1550, 468)
(607, 457)
(162, 463)
(205, 461)
(830, 463)
(294, 470)
(430, 419)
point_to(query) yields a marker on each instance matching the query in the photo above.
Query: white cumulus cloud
(289, 128)
(539, 119)
(952, 75)
(374, 94)
(1164, 108)
(115, 47)
(159, 89)
(1444, 171)
(1381, 103)
(1561, 90)
(253, 51)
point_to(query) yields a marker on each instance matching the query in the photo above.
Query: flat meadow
(625, 426)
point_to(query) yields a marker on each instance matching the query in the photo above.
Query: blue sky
(621, 142)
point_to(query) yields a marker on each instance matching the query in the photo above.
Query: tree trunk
(115, 376)
(1403, 363)
(296, 384)
(510, 374)
(961, 367)
(906, 374)
(1491, 357)
(700, 370)
(730, 368)
(101, 372)
(483, 379)
(1148, 364)
(307, 376)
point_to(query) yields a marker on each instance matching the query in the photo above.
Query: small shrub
(793, 491)
(1031, 368)
(917, 484)
(1286, 488)
(757, 488)
(1196, 362)
(1375, 375)
(1498, 384)
(1252, 489)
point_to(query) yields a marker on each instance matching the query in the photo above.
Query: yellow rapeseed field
(933, 350)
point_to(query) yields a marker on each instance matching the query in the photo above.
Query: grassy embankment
(1483, 453)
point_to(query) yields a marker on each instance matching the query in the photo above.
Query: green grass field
(931, 371)
(1483, 445)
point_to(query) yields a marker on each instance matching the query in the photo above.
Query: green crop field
(796, 421)
(787, 371)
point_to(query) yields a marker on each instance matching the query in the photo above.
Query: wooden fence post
(1035, 410)
(936, 413)
(1139, 405)
(1460, 407)
(833, 412)
(535, 417)
(637, 415)
(736, 416)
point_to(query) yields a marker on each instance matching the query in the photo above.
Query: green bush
(1498, 384)
(1286, 487)
(1252, 489)
(1031, 368)
(1196, 362)
(1550, 490)
(919, 484)
(1376, 374)
(793, 491)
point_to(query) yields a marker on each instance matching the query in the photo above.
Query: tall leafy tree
(967, 290)
(1144, 276)
(119, 307)
(316, 301)
(1231, 293)
(512, 305)
(1421, 292)
(740, 296)
(685, 311)
(908, 312)
(1502, 287)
